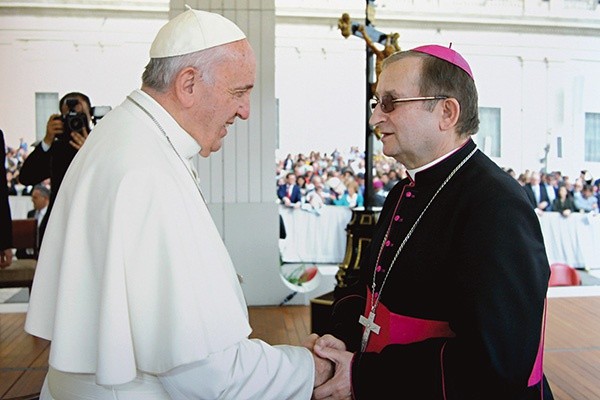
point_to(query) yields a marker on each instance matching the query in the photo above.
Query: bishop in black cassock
(451, 297)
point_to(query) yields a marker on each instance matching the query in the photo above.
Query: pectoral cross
(370, 326)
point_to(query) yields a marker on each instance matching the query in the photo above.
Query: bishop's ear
(450, 113)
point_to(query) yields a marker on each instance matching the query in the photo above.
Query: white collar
(413, 172)
(185, 144)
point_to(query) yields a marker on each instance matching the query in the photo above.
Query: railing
(322, 238)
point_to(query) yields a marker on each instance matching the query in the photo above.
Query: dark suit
(295, 197)
(559, 206)
(5, 219)
(543, 196)
(41, 165)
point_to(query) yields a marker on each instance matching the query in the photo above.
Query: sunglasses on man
(388, 103)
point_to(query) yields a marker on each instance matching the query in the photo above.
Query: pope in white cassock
(134, 286)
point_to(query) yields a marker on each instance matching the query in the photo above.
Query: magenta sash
(400, 329)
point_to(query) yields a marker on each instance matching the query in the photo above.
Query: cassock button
(408, 194)
(388, 243)
(397, 218)
(378, 268)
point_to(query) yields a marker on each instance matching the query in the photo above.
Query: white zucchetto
(194, 30)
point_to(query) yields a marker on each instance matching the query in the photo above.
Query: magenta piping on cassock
(538, 366)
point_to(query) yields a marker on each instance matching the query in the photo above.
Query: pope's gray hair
(160, 73)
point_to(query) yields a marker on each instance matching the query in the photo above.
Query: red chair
(563, 275)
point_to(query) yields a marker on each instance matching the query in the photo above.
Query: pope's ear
(185, 83)
(450, 113)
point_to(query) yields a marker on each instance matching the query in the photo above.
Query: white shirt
(536, 193)
(39, 215)
(133, 275)
(551, 193)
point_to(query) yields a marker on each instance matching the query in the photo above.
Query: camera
(73, 121)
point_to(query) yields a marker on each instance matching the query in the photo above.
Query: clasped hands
(332, 367)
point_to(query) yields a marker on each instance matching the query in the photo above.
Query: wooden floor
(571, 360)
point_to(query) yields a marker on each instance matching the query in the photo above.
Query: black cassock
(461, 314)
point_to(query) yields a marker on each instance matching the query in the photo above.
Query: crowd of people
(333, 179)
(317, 179)
(338, 178)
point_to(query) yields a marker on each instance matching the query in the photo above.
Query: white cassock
(134, 286)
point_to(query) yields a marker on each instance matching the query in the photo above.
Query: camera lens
(76, 123)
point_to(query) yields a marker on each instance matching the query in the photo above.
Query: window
(592, 137)
(488, 137)
(46, 104)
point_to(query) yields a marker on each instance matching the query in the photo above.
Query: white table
(314, 238)
(19, 206)
(574, 240)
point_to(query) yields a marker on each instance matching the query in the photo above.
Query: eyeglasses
(387, 102)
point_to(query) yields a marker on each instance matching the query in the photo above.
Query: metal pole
(369, 192)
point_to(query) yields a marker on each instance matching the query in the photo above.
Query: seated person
(585, 201)
(537, 193)
(351, 198)
(380, 193)
(316, 198)
(289, 193)
(563, 203)
(40, 197)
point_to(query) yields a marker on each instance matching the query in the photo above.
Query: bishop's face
(410, 132)
(225, 99)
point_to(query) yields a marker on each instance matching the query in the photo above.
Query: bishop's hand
(339, 387)
(323, 366)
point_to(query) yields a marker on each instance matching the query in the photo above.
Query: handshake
(332, 367)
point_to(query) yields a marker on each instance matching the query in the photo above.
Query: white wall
(320, 86)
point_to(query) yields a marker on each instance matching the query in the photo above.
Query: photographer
(65, 134)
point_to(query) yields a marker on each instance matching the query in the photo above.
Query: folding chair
(563, 275)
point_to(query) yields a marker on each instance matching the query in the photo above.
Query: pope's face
(410, 131)
(226, 98)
